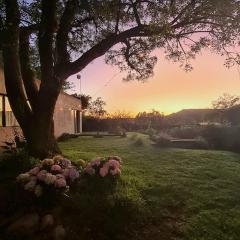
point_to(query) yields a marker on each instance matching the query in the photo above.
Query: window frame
(3, 112)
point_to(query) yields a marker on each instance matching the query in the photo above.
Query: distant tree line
(124, 122)
(225, 111)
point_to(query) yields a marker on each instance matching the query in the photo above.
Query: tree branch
(127, 56)
(101, 48)
(48, 26)
(12, 72)
(137, 18)
(62, 34)
(27, 73)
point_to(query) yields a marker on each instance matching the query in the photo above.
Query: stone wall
(7, 134)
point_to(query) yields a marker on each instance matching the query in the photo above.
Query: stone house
(67, 115)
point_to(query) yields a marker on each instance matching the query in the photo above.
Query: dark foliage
(66, 136)
(223, 138)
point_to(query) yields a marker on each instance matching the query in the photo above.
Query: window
(10, 118)
(7, 118)
(76, 121)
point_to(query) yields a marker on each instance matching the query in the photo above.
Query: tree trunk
(40, 138)
(36, 121)
(40, 132)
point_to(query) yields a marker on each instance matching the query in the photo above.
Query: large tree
(61, 37)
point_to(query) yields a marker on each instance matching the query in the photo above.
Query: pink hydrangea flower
(89, 170)
(66, 173)
(117, 158)
(56, 168)
(65, 162)
(103, 171)
(58, 176)
(73, 174)
(115, 171)
(95, 162)
(42, 175)
(60, 183)
(114, 163)
(34, 171)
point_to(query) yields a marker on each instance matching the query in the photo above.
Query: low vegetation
(163, 193)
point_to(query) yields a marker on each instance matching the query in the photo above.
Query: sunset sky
(169, 90)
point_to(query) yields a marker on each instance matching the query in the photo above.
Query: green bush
(161, 140)
(105, 207)
(133, 137)
(223, 138)
(151, 132)
(139, 142)
(15, 159)
(66, 136)
(98, 135)
(185, 132)
(202, 143)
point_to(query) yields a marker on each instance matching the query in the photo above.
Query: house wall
(64, 115)
(2, 86)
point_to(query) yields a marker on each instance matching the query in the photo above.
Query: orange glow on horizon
(169, 90)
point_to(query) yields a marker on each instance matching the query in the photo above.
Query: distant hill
(193, 116)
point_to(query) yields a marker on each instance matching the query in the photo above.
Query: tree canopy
(96, 108)
(226, 101)
(59, 38)
(79, 31)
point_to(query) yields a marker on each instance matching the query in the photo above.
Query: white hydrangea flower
(30, 185)
(50, 179)
(23, 177)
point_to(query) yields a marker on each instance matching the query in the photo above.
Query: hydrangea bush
(55, 175)
(110, 166)
(52, 174)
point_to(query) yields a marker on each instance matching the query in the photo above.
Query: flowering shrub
(104, 167)
(57, 173)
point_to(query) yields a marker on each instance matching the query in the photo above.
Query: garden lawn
(180, 194)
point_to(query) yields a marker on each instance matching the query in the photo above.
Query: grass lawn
(184, 194)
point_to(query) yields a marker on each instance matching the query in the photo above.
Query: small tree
(226, 101)
(96, 108)
(147, 120)
(85, 100)
(67, 35)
